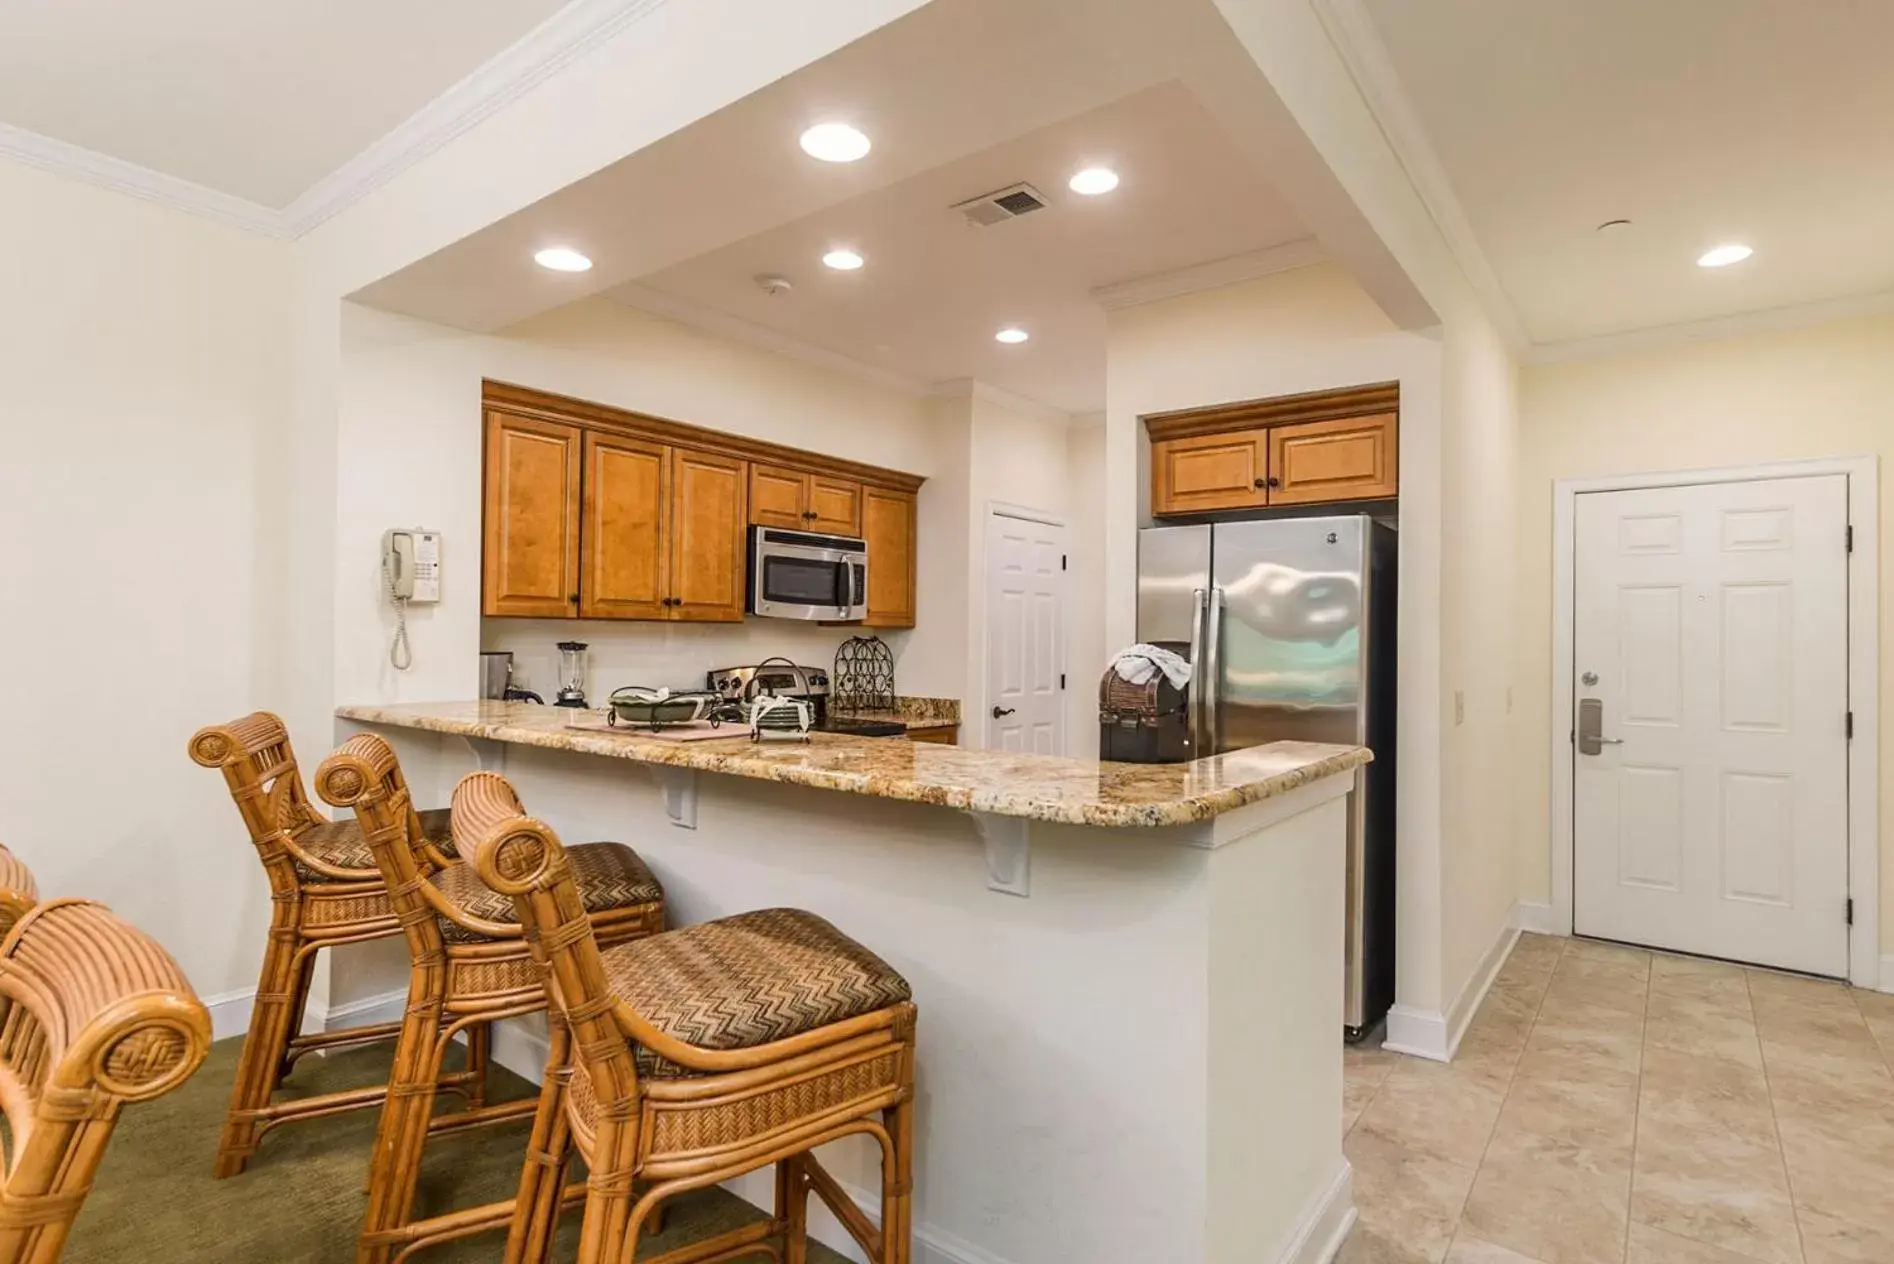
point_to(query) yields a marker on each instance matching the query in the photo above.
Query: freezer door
(1289, 650)
(1173, 565)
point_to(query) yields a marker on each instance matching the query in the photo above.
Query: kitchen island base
(1138, 1061)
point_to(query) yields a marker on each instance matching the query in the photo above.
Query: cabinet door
(1208, 472)
(835, 506)
(1349, 459)
(708, 532)
(888, 526)
(779, 497)
(622, 529)
(530, 558)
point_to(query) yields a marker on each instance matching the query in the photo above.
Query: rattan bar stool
(471, 964)
(96, 1015)
(325, 890)
(18, 891)
(697, 1055)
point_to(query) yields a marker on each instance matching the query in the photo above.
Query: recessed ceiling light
(1723, 256)
(834, 142)
(562, 259)
(1093, 180)
(1012, 333)
(842, 260)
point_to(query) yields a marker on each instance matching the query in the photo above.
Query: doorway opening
(1027, 557)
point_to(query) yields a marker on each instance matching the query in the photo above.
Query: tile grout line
(1637, 1103)
(1538, 1007)
(1775, 1120)
(1887, 1054)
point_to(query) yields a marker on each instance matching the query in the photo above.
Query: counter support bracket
(1008, 852)
(680, 794)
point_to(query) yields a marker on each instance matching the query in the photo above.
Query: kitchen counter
(1000, 783)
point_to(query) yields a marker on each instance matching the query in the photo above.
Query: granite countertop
(1038, 787)
(916, 713)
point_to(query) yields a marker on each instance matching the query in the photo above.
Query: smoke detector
(1001, 205)
(772, 284)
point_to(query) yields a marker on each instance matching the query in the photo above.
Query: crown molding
(974, 388)
(736, 329)
(1217, 273)
(1356, 40)
(1715, 328)
(106, 172)
(542, 52)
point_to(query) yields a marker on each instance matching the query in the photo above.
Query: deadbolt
(1589, 678)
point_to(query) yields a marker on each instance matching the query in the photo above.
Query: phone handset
(411, 572)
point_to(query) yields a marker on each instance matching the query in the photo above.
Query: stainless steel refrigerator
(1289, 625)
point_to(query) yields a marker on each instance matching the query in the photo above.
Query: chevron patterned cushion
(340, 843)
(608, 875)
(747, 980)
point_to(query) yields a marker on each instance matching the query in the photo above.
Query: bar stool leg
(792, 1210)
(897, 1186)
(395, 1170)
(260, 1065)
(548, 1156)
(479, 1059)
(305, 970)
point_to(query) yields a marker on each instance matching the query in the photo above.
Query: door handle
(1000, 711)
(1591, 728)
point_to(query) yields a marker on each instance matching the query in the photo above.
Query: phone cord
(400, 653)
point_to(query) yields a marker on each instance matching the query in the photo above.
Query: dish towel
(1138, 663)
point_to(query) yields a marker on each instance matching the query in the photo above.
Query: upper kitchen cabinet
(888, 527)
(531, 562)
(708, 499)
(1320, 448)
(599, 513)
(803, 501)
(1350, 458)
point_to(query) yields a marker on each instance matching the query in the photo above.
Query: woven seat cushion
(340, 843)
(608, 875)
(748, 980)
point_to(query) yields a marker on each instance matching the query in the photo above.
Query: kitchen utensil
(496, 673)
(571, 675)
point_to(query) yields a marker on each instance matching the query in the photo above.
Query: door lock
(1000, 711)
(1591, 728)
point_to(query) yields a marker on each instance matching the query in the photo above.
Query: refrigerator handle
(1194, 711)
(1212, 674)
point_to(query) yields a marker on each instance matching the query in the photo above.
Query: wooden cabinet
(804, 502)
(940, 734)
(1318, 448)
(597, 513)
(530, 564)
(1351, 458)
(626, 502)
(1204, 473)
(888, 525)
(707, 517)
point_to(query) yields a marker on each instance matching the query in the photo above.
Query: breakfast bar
(1129, 975)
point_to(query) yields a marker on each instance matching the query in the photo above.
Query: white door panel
(1715, 620)
(1025, 635)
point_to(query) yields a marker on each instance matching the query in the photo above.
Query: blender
(571, 675)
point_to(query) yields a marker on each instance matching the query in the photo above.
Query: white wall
(1822, 391)
(1086, 647)
(1309, 329)
(411, 441)
(145, 356)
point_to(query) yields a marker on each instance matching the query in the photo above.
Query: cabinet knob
(1274, 481)
(574, 599)
(1262, 482)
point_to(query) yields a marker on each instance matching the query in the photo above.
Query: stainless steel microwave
(803, 575)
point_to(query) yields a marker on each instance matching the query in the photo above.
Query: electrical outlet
(1459, 707)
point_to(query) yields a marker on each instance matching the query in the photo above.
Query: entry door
(1025, 616)
(1710, 628)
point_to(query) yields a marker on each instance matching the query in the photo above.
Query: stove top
(850, 727)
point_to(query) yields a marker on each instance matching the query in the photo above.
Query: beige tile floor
(1615, 1106)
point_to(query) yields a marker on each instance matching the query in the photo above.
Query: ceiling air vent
(1001, 205)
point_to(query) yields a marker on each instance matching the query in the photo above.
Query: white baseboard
(1886, 982)
(931, 1245)
(1536, 918)
(230, 1012)
(1325, 1222)
(1436, 1036)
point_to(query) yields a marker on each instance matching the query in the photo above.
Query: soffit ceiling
(1701, 121)
(248, 97)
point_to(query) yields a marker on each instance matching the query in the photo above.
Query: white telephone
(411, 570)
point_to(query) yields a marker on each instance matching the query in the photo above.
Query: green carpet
(301, 1201)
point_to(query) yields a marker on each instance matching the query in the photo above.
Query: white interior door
(1710, 628)
(1025, 640)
